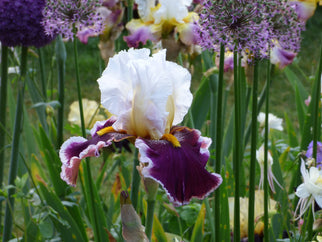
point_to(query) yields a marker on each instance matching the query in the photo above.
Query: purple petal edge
(75, 149)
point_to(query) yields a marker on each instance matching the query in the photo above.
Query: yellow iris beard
(172, 139)
(105, 130)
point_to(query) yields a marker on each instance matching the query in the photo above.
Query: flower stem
(3, 116)
(88, 180)
(219, 139)
(266, 152)
(149, 218)
(135, 181)
(237, 154)
(15, 146)
(42, 73)
(61, 60)
(79, 94)
(252, 168)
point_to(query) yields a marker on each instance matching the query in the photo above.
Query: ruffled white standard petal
(144, 8)
(147, 94)
(171, 9)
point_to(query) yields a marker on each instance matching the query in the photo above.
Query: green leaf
(198, 229)
(296, 83)
(73, 232)
(292, 139)
(201, 103)
(53, 162)
(224, 209)
(301, 110)
(158, 231)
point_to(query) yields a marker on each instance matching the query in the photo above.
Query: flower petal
(301, 191)
(75, 149)
(180, 170)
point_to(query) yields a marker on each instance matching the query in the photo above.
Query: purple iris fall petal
(180, 170)
(75, 149)
(141, 35)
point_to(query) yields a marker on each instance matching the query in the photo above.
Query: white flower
(273, 122)
(171, 9)
(309, 190)
(270, 176)
(147, 94)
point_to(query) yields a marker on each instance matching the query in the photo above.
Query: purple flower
(149, 97)
(309, 153)
(67, 17)
(236, 24)
(250, 27)
(281, 57)
(285, 26)
(20, 23)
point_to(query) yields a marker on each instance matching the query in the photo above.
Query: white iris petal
(171, 9)
(147, 94)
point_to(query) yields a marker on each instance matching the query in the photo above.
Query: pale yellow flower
(259, 212)
(90, 109)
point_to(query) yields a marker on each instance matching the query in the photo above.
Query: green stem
(149, 218)
(266, 152)
(42, 73)
(252, 169)
(88, 180)
(135, 181)
(61, 60)
(15, 147)
(79, 94)
(3, 116)
(237, 154)
(219, 139)
(129, 10)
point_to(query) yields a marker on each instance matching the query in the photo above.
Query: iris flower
(160, 19)
(148, 97)
(310, 190)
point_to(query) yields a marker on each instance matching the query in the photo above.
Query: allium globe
(20, 23)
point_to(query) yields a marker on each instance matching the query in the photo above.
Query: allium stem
(219, 118)
(88, 180)
(237, 149)
(15, 147)
(266, 188)
(79, 93)
(252, 169)
(3, 116)
(61, 60)
(135, 181)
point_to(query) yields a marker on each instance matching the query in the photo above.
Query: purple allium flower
(285, 26)
(67, 17)
(20, 23)
(309, 153)
(250, 27)
(236, 24)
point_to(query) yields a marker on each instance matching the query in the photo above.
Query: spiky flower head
(20, 23)
(67, 17)
(250, 27)
(285, 26)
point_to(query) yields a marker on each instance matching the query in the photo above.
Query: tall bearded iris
(148, 96)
